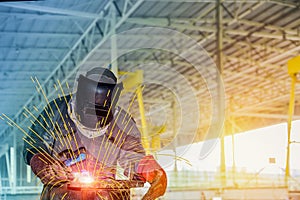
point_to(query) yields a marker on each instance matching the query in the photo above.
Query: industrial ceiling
(43, 43)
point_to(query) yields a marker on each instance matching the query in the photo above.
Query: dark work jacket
(53, 132)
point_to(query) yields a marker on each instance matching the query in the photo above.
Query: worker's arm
(144, 167)
(153, 173)
(38, 145)
(49, 170)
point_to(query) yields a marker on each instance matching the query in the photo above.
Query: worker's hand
(49, 170)
(152, 172)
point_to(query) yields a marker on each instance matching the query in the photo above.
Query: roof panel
(251, 61)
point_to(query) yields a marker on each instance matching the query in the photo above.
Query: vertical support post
(232, 130)
(145, 138)
(219, 36)
(233, 150)
(289, 126)
(222, 162)
(28, 174)
(113, 41)
(233, 156)
(0, 184)
(20, 169)
(175, 136)
(8, 168)
(13, 169)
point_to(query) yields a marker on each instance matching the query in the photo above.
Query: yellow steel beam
(293, 69)
(133, 83)
(132, 80)
(294, 65)
(145, 138)
(289, 126)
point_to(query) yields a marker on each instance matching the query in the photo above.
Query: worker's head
(96, 97)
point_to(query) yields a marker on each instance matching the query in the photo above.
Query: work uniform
(56, 133)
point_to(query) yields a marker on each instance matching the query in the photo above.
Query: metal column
(145, 137)
(113, 41)
(293, 70)
(13, 165)
(8, 167)
(219, 36)
(175, 142)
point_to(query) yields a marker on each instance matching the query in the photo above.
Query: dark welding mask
(96, 98)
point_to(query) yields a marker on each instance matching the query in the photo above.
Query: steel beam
(52, 10)
(8, 167)
(219, 63)
(69, 65)
(285, 3)
(39, 34)
(30, 16)
(289, 126)
(13, 165)
(28, 62)
(20, 49)
(265, 102)
(268, 61)
(113, 42)
(191, 24)
(209, 1)
(279, 36)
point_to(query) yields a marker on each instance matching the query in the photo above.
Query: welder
(78, 141)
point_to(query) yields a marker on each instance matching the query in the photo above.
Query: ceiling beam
(45, 9)
(40, 16)
(263, 103)
(262, 47)
(253, 62)
(42, 63)
(21, 49)
(265, 62)
(14, 34)
(261, 34)
(208, 1)
(285, 3)
(194, 23)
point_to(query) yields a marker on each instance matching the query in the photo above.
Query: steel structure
(44, 43)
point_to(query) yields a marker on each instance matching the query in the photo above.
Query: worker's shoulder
(121, 115)
(58, 103)
(126, 122)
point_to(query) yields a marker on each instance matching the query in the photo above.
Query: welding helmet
(96, 98)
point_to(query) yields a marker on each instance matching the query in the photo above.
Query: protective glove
(49, 170)
(152, 172)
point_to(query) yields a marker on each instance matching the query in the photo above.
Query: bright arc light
(86, 179)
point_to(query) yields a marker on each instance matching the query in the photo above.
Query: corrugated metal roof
(259, 38)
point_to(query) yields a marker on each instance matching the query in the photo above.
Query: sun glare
(263, 150)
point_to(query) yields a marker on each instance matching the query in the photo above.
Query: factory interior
(212, 85)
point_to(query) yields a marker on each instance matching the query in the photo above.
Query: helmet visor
(95, 102)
